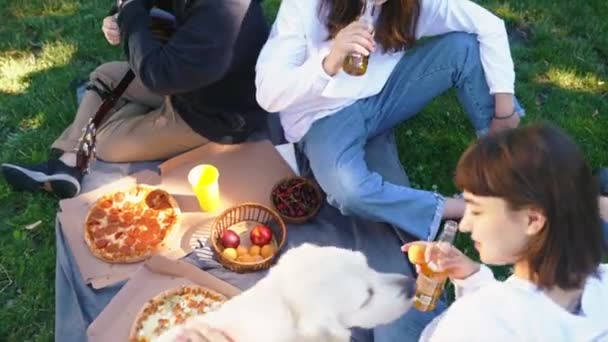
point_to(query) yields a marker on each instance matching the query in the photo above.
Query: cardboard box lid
(155, 276)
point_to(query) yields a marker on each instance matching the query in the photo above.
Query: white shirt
(290, 78)
(516, 310)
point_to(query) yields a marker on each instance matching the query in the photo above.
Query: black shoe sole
(22, 179)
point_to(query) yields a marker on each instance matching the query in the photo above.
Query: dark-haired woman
(532, 202)
(332, 114)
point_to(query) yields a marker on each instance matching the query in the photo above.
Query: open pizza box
(155, 276)
(247, 174)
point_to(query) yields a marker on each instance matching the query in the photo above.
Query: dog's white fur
(312, 294)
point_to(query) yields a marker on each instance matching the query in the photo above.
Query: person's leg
(61, 177)
(159, 134)
(103, 79)
(424, 73)
(334, 147)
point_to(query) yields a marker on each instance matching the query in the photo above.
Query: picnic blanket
(77, 304)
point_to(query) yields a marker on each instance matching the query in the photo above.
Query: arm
(473, 282)
(443, 16)
(198, 53)
(285, 72)
(469, 321)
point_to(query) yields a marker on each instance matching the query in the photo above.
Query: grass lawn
(49, 46)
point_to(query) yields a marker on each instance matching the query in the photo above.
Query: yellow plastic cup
(204, 181)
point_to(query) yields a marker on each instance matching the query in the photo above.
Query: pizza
(130, 225)
(171, 308)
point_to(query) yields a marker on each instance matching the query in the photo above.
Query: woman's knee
(109, 73)
(460, 42)
(463, 48)
(113, 150)
(347, 192)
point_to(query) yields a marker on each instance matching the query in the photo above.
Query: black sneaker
(53, 176)
(602, 176)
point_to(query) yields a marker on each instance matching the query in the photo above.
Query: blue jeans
(335, 144)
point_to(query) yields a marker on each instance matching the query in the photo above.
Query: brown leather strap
(110, 101)
(86, 147)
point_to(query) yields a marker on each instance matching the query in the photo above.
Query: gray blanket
(77, 304)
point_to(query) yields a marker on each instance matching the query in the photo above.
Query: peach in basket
(297, 199)
(261, 235)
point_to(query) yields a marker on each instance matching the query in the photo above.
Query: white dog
(312, 294)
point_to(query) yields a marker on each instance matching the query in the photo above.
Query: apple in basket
(260, 235)
(230, 239)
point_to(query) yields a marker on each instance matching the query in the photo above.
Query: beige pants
(142, 126)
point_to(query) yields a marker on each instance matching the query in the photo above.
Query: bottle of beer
(430, 283)
(355, 64)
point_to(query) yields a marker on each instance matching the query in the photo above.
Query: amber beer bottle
(429, 284)
(355, 64)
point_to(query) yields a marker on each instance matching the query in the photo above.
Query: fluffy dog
(312, 294)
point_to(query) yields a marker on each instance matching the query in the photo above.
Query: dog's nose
(408, 286)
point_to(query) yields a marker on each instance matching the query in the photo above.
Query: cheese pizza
(171, 308)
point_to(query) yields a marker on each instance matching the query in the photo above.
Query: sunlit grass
(570, 79)
(15, 66)
(48, 46)
(45, 8)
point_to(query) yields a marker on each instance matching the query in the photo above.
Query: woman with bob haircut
(531, 202)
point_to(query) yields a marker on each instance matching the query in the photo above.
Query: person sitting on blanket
(196, 87)
(332, 115)
(531, 202)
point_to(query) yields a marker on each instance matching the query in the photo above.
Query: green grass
(49, 46)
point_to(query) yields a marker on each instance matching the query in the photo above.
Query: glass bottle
(429, 284)
(355, 64)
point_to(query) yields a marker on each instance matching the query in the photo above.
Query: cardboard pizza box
(98, 272)
(158, 274)
(247, 173)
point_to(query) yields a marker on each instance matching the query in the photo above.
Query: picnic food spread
(171, 308)
(130, 225)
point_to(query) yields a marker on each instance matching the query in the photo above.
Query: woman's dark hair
(396, 26)
(540, 167)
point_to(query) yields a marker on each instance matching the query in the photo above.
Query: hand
(505, 116)
(444, 257)
(357, 37)
(193, 330)
(110, 30)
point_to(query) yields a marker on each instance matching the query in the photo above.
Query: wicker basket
(248, 212)
(303, 182)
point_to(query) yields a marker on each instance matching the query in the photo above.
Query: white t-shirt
(516, 310)
(290, 78)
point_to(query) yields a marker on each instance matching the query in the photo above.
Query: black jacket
(207, 67)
